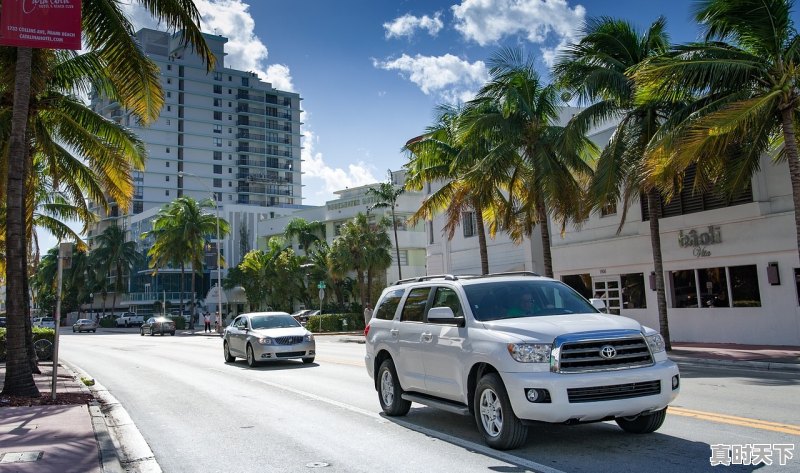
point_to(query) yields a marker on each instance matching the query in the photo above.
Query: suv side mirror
(445, 315)
(598, 304)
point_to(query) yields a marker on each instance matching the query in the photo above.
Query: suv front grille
(613, 392)
(593, 352)
(290, 340)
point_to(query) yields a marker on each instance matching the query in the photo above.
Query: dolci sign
(699, 240)
(53, 24)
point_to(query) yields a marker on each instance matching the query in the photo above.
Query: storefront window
(713, 287)
(684, 288)
(744, 286)
(633, 293)
(581, 283)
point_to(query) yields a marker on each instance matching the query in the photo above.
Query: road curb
(758, 365)
(118, 438)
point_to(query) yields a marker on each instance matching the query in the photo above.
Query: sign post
(64, 259)
(321, 295)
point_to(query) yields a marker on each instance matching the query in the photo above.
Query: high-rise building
(224, 134)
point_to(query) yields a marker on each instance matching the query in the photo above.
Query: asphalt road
(200, 414)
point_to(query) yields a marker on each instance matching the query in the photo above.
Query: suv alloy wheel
(390, 392)
(501, 429)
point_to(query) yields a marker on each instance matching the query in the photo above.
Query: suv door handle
(426, 337)
(394, 332)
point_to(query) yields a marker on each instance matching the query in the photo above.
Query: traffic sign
(321, 285)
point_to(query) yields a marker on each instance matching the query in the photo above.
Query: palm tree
(520, 113)
(306, 232)
(444, 154)
(181, 230)
(118, 257)
(746, 74)
(598, 70)
(387, 194)
(377, 256)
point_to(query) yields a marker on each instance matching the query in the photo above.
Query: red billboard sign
(54, 24)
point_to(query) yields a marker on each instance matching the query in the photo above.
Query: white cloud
(448, 76)
(407, 24)
(323, 180)
(539, 21)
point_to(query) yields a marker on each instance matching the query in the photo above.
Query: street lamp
(219, 258)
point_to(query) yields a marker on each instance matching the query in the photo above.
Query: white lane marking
(482, 449)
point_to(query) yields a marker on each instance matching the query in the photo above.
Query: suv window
(414, 308)
(447, 297)
(388, 306)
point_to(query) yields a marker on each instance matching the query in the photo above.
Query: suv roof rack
(509, 273)
(446, 277)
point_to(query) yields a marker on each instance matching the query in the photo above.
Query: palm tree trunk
(790, 144)
(194, 296)
(29, 205)
(654, 211)
(482, 249)
(105, 299)
(544, 227)
(180, 307)
(396, 246)
(369, 285)
(360, 278)
(19, 378)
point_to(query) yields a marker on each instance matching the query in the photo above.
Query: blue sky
(371, 72)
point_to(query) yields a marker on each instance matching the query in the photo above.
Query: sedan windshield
(535, 298)
(273, 321)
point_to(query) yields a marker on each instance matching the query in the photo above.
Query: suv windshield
(514, 299)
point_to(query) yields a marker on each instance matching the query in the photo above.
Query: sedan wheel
(251, 359)
(73, 330)
(227, 352)
(152, 332)
(141, 332)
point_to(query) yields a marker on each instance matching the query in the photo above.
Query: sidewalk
(67, 434)
(75, 438)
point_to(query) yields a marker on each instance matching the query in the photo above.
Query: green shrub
(180, 322)
(108, 322)
(333, 322)
(38, 333)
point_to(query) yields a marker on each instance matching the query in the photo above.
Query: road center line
(740, 421)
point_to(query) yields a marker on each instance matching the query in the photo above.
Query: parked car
(265, 336)
(129, 319)
(47, 322)
(302, 315)
(512, 350)
(155, 325)
(84, 325)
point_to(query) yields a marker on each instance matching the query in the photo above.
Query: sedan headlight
(655, 342)
(309, 338)
(530, 352)
(265, 341)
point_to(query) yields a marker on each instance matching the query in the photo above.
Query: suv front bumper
(560, 409)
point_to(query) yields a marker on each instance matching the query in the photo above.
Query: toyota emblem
(608, 352)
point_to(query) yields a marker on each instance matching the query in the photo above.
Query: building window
(230, 117)
(169, 67)
(713, 284)
(218, 129)
(430, 233)
(217, 89)
(230, 184)
(166, 178)
(167, 163)
(218, 142)
(169, 94)
(169, 108)
(468, 223)
(169, 122)
(217, 182)
(217, 155)
(608, 209)
(217, 169)
(217, 115)
(744, 286)
(217, 76)
(684, 288)
(169, 81)
(580, 282)
(230, 170)
(166, 192)
(403, 257)
(217, 102)
(633, 291)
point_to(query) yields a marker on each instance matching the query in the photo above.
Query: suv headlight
(265, 341)
(655, 342)
(530, 352)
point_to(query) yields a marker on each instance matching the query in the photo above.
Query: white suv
(514, 348)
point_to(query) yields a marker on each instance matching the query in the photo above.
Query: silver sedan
(265, 336)
(84, 325)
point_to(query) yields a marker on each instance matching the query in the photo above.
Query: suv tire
(499, 426)
(390, 392)
(643, 424)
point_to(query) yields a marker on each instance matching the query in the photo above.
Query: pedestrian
(367, 314)
(207, 322)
